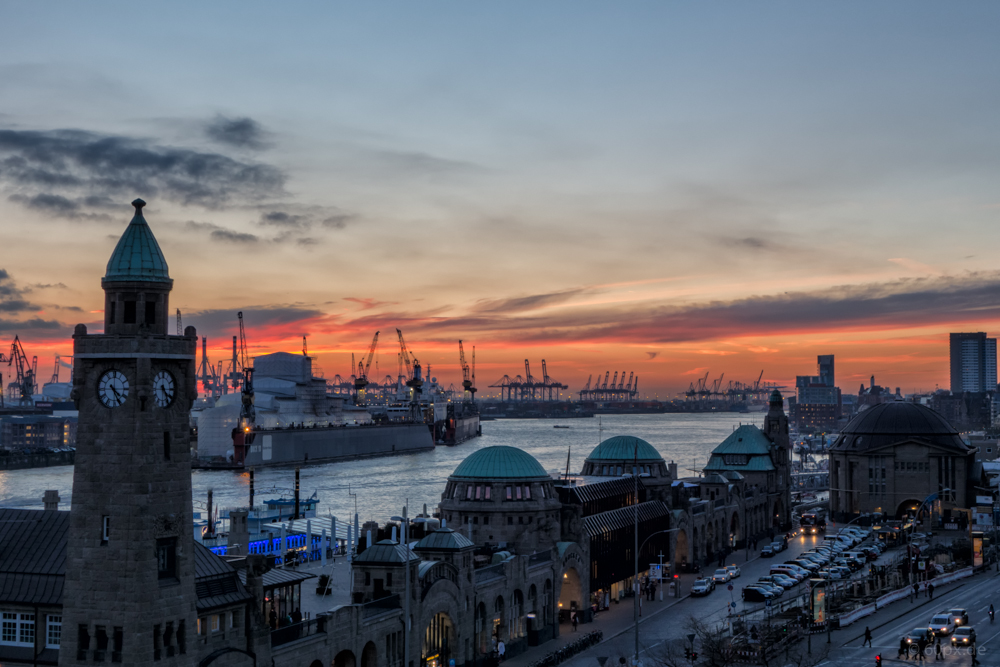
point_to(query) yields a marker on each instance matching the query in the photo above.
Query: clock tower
(129, 594)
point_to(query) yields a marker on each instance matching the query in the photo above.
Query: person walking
(921, 648)
(937, 650)
(916, 591)
(930, 591)
(575, 621)
(501, 649)
(904, 649)
(868, 637)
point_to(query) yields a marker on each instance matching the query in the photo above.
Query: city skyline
(662, 190)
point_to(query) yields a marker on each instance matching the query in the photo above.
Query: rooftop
(137, 257)
(897, 421)
(500, 462)
(385, 551)
(624, 447)
(444, 539)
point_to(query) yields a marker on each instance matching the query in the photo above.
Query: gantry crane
(25, 386)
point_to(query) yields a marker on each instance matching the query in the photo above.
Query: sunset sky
(662, 188)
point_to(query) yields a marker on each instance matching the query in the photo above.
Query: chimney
(51, 500)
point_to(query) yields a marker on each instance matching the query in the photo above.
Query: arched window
(482, 629)
(499, 620)
(532, 600)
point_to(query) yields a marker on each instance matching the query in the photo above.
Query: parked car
(722, 576)
(702, 587)
(733, 571)
(754, 593)
(782, 580)
(963, 636)
(942, 624)
(960, 615)
(767, 551)
(778, 546)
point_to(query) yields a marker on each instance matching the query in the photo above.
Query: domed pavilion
(894, 456)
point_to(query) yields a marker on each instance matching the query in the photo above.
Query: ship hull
(457, 430)
(308, 445)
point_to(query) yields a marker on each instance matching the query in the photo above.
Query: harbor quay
(511, 558)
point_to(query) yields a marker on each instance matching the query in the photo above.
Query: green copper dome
(624, 448)
(137, 255)
(500, 462)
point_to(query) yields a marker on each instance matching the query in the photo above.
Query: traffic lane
(895, 621)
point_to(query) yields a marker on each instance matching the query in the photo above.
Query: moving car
(942, 624)
(767, 551)
(964, 636)
(961, 616)
(916, 634)
(778, 546)
(733, 571)
(722, 576)
(702, 587)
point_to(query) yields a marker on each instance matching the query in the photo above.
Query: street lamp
(406, 563)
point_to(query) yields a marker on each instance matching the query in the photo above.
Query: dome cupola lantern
(137, 282)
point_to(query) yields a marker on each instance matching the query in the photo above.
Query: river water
(381, 486)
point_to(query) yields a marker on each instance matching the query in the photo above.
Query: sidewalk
(619, 619)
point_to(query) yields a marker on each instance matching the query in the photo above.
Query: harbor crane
(467, 377)
(361, 379)
(248, 414)
(25, 386)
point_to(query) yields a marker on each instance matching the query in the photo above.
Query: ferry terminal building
(120, 579)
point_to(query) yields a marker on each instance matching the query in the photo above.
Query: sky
(665, 188)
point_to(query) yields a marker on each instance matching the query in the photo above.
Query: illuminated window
(488, 492)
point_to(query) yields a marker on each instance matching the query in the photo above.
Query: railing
(490, 572)
(296, 631)
(380, 606)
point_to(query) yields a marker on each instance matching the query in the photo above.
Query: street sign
(767, 603)
(733, 605)
(730, 587)
(691, 638)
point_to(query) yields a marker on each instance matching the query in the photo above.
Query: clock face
(163, 389)
(112, 389)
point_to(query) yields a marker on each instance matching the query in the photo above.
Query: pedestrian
(916, 591)
(652, 592)
(921, 648)
(868, 637)
(937, 650)
(930, 591)
(904, 649)
(974, 652)
(501, 650)
(575, 621)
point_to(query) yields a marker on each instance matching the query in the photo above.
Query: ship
(298, 421)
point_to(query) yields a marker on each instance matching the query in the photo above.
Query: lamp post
(406, 577)
(913, 524)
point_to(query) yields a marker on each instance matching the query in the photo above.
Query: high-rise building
(973, 362)
(817, 401)
(826, 374)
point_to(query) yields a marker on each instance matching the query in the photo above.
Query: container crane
(25, 372)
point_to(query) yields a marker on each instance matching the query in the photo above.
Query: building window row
(484, 492)
(735, 459)
(912, 466)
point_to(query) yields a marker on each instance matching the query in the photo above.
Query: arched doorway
(499, 630)
(369, 655)
(344, 659)
(681, 549)
(482, 629)
(517, 620)
(439, 638)
(316, 663)
(547, 603)
(570, 595)
(908, 508)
